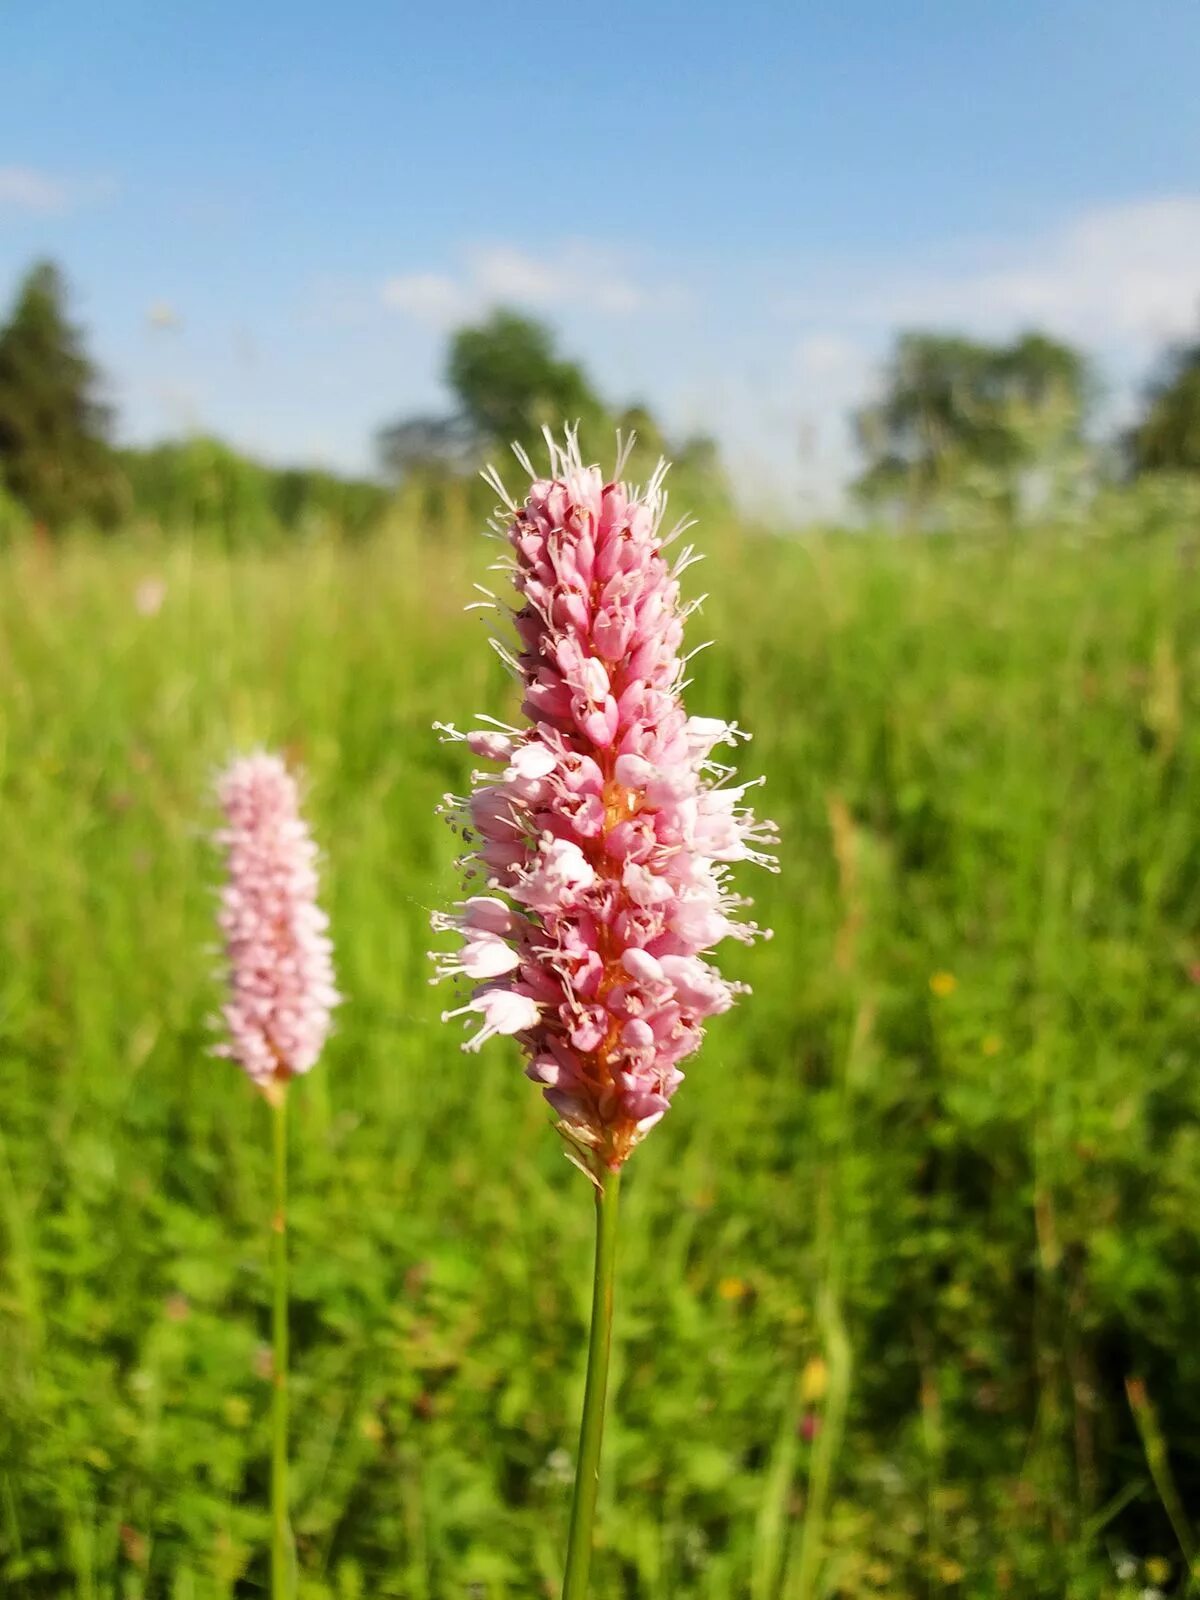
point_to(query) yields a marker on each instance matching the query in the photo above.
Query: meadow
(909, 1283)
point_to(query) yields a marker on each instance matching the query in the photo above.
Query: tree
(1167, 439)
(955, 411)
(440, 446)
(54, 452)
(511, 382)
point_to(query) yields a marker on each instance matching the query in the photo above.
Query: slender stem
(281, 1554)
(587, 1467)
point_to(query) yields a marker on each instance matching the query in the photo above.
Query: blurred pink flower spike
(279, 957)
(607, 840)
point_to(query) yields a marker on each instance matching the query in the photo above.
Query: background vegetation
(910, 1276)
(59, 468)
(924, 1208)
(958, 428)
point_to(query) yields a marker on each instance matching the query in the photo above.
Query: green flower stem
(281, 1543)
(587, 1467)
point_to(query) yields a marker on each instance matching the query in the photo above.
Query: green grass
(927, 1199)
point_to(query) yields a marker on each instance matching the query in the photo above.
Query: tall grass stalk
(802, 1579)
(591, 1430)
(1157, 1459)
(281, 1540)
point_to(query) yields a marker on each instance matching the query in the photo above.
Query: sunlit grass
(948, 1149)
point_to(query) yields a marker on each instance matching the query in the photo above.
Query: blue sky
(271, 214)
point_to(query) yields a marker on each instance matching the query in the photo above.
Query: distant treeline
(956, 428)
(59, 466)
(201, 482)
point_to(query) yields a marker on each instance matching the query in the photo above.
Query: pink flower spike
(278, 954)
(605, 842)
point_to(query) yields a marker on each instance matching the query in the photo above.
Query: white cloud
(429, 297)
(25, 189)
(503, 272)
(576, 275)
(38, 193)
(1126, 273)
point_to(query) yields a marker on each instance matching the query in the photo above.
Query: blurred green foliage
(1167, 437)
(960, 431)
(58, 468)
(512, 383)
(926, 1202)
(997, 423)
(200, 483)
(54, 454)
